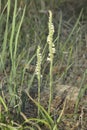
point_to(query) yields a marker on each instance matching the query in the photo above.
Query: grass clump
(13, 52)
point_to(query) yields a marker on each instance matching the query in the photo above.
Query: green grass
(25, 40)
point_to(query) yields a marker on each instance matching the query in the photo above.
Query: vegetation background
(43, 49)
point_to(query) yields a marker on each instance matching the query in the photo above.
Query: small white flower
(48, 39)
(53, 45)
(48, 58)
(52, 27)
(38, 64)
(53, 50)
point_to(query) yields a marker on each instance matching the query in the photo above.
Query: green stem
(51, 88)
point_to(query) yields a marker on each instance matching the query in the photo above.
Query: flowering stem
(51, 88)
(38, 73)
(51, 55)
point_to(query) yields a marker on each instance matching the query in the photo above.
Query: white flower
(48, 58)
(38, 64)
(53, 50)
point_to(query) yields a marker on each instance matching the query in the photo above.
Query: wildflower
(50, 38)
(38, 64)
